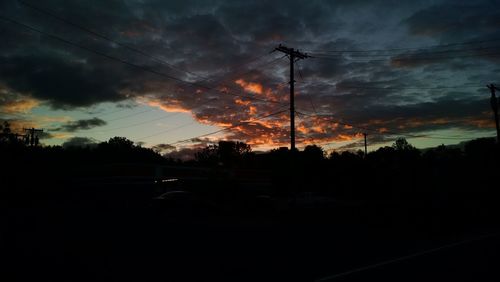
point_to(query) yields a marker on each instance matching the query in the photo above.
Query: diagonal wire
(330, 116)
(228, 128)
(137, 124)
(413, 48)
(131, 64)
(307, 92)
(128, 47)
(102, 36)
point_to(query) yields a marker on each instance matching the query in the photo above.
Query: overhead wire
(102, 36)
(166, 131)
(395, 58)
(411, 48)
(377, 54)
(129, 63)
(385, 132)
(194, 83)
(126, 46)
(220, 130)
(409, 88)
(307, 93)
(135, 124)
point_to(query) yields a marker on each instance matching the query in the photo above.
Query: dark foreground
(83, 236)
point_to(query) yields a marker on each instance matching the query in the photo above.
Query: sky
(178, 75)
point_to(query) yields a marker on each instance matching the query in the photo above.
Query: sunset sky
(160, 72)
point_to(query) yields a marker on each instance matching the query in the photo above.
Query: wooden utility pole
(366, 151)
(494, 107)
(32, 135)
(293, 55)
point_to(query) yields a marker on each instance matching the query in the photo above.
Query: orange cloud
(20, 106)
(318, 129)
(241, 102)
(172, 106)
(206, 120)
(253, 87)
(61, 135)
(302, 129)
(252, 110)
(346, 137)
(481, 123)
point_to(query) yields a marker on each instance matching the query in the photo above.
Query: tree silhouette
(402, 145)
(6, 128)
(120, 142)
(226, 153)
(208, 155)
(313, 152)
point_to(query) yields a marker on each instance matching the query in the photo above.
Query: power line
(409, 48)
(130, 115)
(272, 62)
(133, 125)
(469, 85)
(336, 121)
(144, 122)
(409, 58)
(407, 54)
(309, 95)
(165, 131)
(132, 64)
(113, 112)
(90, 31)
(328, 144)
(130, 48)
(386, 132)
(409, 88)
(228, 128)
(126, 46)
(254, 59)
(136, 124)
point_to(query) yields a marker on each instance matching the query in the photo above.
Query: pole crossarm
(32, 135)
(292, 52)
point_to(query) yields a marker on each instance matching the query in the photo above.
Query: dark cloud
(163, 147)
(79, 142)
(82, 124)
(44, 135)
(455, 19)
(372, 139)
(187, 153)
(59, 80)
(214, 39)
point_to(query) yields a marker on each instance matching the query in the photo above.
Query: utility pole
(293, 55)
(494, 106)
(366, 151)
(32, 136)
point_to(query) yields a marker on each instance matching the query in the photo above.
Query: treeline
(456, 182)
(390, 167)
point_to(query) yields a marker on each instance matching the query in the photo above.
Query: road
(103, 243)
